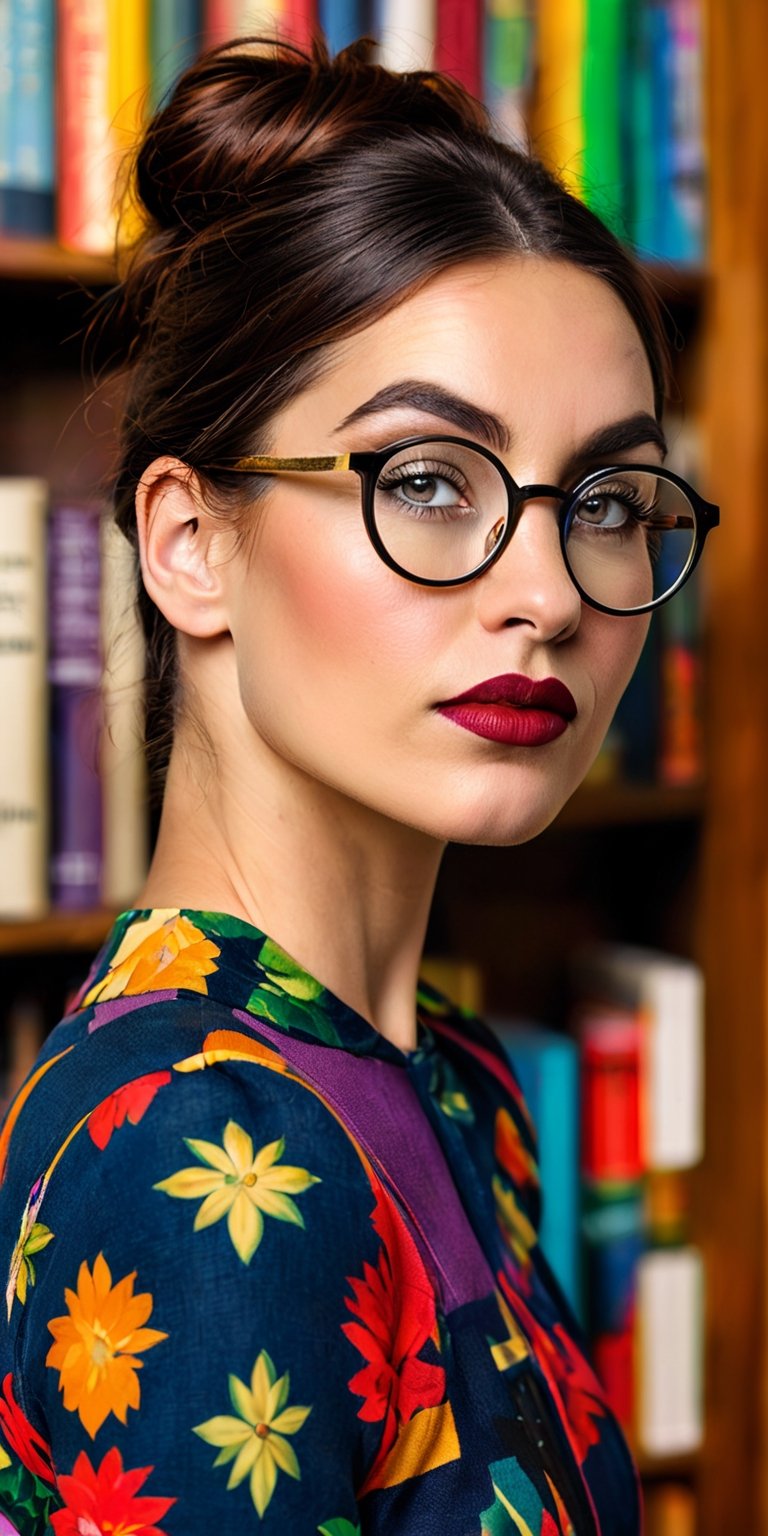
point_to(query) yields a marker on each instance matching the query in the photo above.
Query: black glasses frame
(369, 465)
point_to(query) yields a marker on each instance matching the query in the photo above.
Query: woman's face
(343, 664)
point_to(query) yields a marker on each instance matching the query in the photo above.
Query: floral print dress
(266, 1272)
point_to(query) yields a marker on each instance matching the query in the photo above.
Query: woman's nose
(529, 584)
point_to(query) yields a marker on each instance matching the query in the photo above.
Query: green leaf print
(339, 1527)
(517, 1506)
(26, 1500)
(224, 925)
(289, 1013)
(281, 968)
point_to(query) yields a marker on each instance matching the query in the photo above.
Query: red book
(86, 168)
(458, 44)
(227, 19)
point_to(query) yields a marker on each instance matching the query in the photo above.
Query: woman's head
(321, 230)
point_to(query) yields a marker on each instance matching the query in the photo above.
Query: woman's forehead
(523, 338)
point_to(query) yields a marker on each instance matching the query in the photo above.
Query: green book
(603, 72)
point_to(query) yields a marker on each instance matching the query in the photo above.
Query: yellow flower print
(255, 1440)
(161, 951)
(516, 1228)
(97, 1343)
(240, 1186)
(34, 1241)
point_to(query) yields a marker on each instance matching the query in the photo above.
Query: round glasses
(441, 510)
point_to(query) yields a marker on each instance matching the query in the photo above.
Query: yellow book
(558, 123)
(128, 88)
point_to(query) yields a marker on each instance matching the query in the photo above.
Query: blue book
(342, 21)
(27, 142)
(175, 35)
(547, 1066)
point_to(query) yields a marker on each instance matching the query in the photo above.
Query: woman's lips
(514, 710)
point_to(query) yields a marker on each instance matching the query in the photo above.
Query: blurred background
(621, 955)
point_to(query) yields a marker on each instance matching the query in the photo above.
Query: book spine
(175, 28)
(341, 21)
(86, 212)
(127, 95)
(74, 674)
(406, 33)
(299, 22)
(24, 748)
(224, 20)
(123, 767)
(670, 1335)
(6, 108)
(558, 123)
(508, 63)
(686, 204)
(603, 67)
(28, 200)
(458, 42)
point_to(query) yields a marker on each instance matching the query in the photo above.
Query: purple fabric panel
(378, 1102)
(117, 1006)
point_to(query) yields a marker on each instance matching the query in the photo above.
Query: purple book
(75, 678)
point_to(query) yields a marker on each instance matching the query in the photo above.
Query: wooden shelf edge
(28, 260)
(56, 931)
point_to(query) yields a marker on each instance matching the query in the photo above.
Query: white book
(123, 764)
(406, 32)
(24, 691)
(670, 1345)
(669, 994)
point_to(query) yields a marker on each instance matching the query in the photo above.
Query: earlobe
(180, 549)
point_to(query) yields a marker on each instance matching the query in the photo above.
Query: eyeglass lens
(441, 508)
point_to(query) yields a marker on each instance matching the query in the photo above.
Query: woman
(269, 1213)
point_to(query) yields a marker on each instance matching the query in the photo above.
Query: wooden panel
(734, 914)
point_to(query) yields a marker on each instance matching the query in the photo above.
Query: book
(670, 1335)
(508, 66)
(127, 103)
(23, 688)
(666, 993)
(74, 673)
(27, 156)
(603, 67)
(458, 42)
(224, 20)
(342, 21)
(558, 122)
(86, 169)
(406, 33)
(547, 1066)
(123, 767)
(175, 33)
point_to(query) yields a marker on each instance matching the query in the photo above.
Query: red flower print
(127, 1103)
(102, 1502)
(396, 1307)
(569, 1374)
(33, 1451)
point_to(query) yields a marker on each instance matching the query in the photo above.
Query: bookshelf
(684, 868)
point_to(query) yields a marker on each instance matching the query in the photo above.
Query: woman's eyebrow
(419, 395)
(619, 436)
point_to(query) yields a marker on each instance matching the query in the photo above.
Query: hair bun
(255, 109)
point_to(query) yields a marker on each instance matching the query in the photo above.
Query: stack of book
(73, 806)
(618, 1110)
(610, 93)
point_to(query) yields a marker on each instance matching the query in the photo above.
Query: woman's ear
(182, 549)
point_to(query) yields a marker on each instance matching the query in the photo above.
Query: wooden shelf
(56, 931)
(603, 805)
(43, 261)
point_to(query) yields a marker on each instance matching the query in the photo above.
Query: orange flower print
(103, 1500)
(514, 1158)
(33, 1451)
(97, 1343)
(161, 951)
(127, 1103)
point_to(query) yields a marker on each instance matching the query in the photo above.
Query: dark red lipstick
(514, 709)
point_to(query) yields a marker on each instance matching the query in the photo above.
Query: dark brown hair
(290, 199)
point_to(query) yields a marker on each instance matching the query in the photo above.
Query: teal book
(175, 32)
(603, 70)
(509, 33)
(547, 1066)
(27, 135)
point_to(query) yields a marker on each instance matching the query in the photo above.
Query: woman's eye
(427, 490)
(604, 512)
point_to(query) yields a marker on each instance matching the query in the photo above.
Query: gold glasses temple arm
(262, 462)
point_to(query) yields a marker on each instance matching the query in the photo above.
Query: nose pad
(494, 535)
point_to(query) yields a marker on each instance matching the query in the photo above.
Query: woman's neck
(345, 891)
